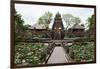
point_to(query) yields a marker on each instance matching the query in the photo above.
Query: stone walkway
(58, 56)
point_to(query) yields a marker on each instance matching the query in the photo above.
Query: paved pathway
(58, 56)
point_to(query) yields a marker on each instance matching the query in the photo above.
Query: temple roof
(38, 26)
(77, 26)
(58, 21)
(58, 14)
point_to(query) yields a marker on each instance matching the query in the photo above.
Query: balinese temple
(76, 31)
(39, 30)
(57, 31)
(58, 28)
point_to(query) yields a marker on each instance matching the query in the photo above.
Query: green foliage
(91, 21)
(18, 25)
(91, 27)
(29, 53)
(20, 29)
(82, 51)
(77, 20)
(71, 20)
(45, 18)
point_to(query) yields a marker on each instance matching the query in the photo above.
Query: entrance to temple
(58, 28)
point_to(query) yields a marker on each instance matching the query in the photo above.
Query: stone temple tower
(58, 28)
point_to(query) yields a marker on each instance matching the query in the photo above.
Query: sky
(31, 13)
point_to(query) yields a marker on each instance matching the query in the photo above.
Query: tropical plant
(83, 51)
(29, 53)
(45, 18)
(70, 20)
(20, 29)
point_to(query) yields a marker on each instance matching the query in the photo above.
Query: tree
(91, 21)
(70, 20)
(18, 25)
(26, 32)
(45, 18)
(20, 28)
(91, 26)
(77, 20)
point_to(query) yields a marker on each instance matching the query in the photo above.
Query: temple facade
(57, 28)
(57, 31)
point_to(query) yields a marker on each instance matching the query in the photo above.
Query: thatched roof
(38, 26)
(77, 26)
